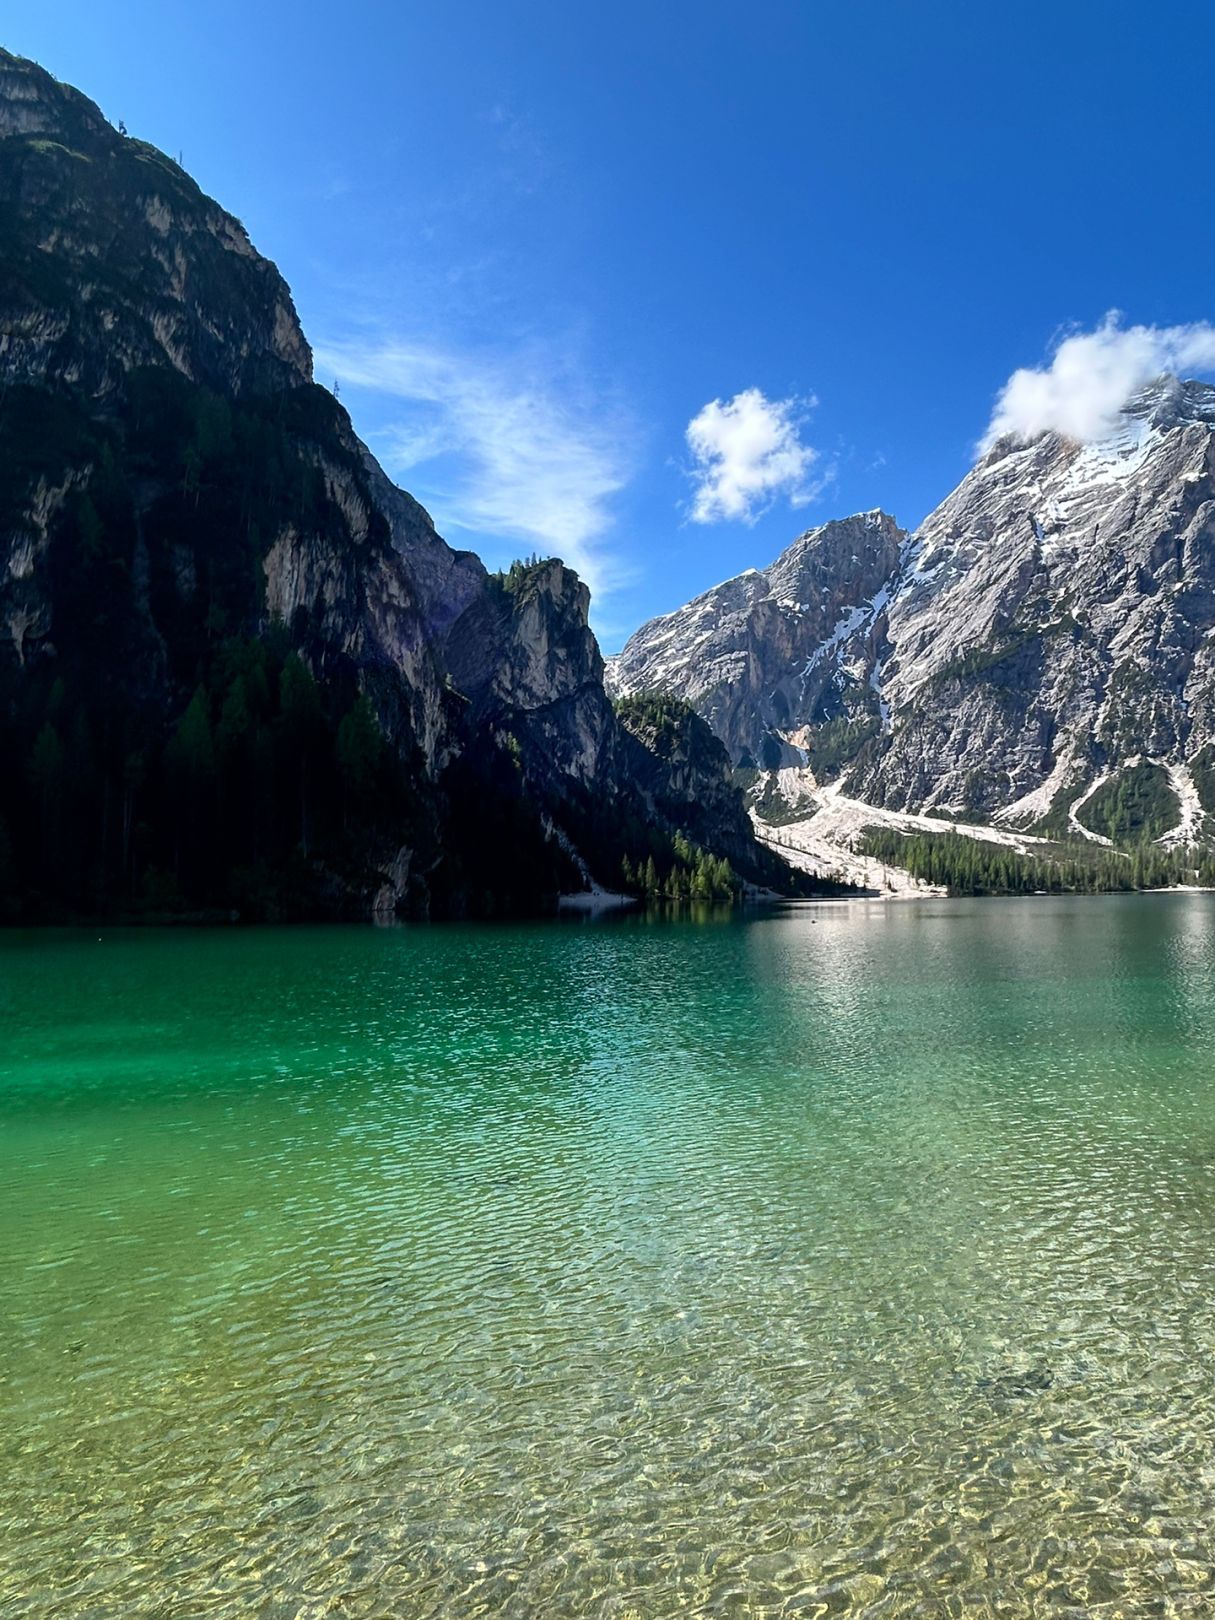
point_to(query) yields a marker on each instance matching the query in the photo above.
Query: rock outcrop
(106, 238)
(1046, 632)
(776, 650)
(238, 666)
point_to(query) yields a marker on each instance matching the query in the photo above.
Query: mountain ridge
(1045, 631)
(240, 671)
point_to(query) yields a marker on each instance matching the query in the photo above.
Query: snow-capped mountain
(1046, 630)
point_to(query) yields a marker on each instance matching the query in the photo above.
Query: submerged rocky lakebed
(825, 1260)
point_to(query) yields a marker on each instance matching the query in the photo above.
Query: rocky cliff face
(107, 238)
(238, 660)
(1052, 625)
(774, 651)
(1046, 632)
(686, 773)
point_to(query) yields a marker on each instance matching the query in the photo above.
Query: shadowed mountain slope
(239, 669)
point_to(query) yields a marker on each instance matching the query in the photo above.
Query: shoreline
(595, 900)
(584, 903)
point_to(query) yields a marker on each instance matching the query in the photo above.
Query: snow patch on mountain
(1050, 622)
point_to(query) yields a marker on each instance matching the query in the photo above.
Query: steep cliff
(239, 669)
(766, 655)
(107, 238)
(1052, 625)
(1037, 656)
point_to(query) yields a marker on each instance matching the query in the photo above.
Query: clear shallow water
(836, 1261)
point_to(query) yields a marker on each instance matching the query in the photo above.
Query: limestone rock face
(113, 258)
(33, 103)
(173, 481)
(1052, 622)
(776, 650)
(1048, 627)
(524, 653)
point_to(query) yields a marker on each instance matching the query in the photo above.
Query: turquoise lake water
(831, 1260)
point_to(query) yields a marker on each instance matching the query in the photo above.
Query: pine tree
(360, 752)
(301, 721)
(190, 765)
(46, 772)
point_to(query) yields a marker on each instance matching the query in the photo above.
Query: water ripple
(841, 1261)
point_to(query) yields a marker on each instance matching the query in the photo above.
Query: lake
(849, 1259)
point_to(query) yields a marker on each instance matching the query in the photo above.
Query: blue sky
(536, 242)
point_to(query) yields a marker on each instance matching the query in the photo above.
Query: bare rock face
(1051, 624)
(772, 652)
(177, 496)
(526, 658)
(106, 237)
(33, 103)
(1048, 627)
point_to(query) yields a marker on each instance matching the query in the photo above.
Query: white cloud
(747, 451)
(515, 450)
(1092, 375)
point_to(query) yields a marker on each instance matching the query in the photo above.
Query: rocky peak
(1160, 407)
(1053, 618)
(763, 655)
(34, 103)
(860, 550)
(1171, 402)
(114, 258)
(1049, 628)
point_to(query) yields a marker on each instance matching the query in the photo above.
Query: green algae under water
(833, 1260)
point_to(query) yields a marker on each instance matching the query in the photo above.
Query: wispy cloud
(527, 159)
(505, 449)
(747, 451)
(1092, 375)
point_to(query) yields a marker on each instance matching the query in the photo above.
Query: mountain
(239, 669)
(1037, 657)
(774, 651)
